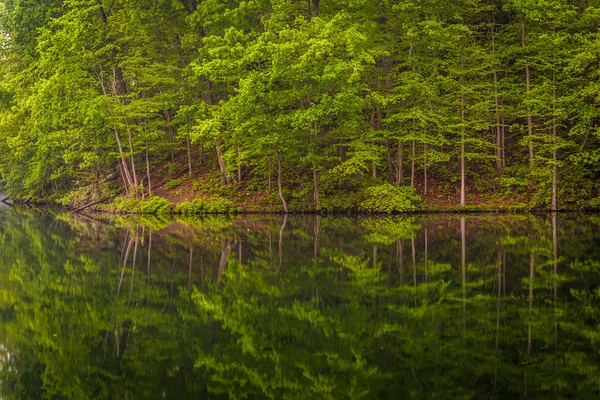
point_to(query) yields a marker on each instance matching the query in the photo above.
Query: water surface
(437, 306)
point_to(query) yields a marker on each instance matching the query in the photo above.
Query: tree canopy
(302, 99)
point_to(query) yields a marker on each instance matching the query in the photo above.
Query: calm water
(302, 307)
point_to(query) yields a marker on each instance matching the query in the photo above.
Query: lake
(335, 307)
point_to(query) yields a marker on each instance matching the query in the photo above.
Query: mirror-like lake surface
(435, 306)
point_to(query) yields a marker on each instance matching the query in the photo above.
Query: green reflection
(301, 306)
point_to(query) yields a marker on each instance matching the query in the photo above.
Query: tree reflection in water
(436, 306)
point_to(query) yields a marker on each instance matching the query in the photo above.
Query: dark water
(303, 307)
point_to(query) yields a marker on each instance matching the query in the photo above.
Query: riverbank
(181, 194)
(189, 199)
(207, 195)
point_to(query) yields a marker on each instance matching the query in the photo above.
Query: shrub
(594, 204)
(189, 208)
(173, 168)
(342, 201)
(153, 206)
(514, 179)
(389, 198)
(173, 183)
(220, 206)
(214, 205)
(211, 184)
(127, 205)
(156, 206)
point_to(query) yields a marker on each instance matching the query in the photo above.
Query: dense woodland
(315, 104)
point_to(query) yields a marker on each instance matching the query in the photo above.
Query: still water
(436, 306)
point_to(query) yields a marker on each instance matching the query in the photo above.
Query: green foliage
(594, 204)
(388, 230)
(342, 201)
(173, 184)
(153, 206)
(245, 92)
(540, 182)
(211, 185)
(210, 310)
(85, 194)
(213, 205)
(156, 206)
(388, 198)
(173, 168)
(127, 205)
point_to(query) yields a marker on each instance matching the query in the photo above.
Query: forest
(310, 105)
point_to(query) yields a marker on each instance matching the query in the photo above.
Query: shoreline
(108, 209)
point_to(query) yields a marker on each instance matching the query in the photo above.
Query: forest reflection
(433, 306)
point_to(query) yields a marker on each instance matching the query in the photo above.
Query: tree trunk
(148, 171)
(528, 85)
(281, 232)
(555, 263)
(147, 159)
(171, 133)
(190, 5)
(125, 168)
(497, 104)
(554, 166)
(116, 93)
(280, 185)
(270, 170)
(316, 7)
(125, 260)
(133, 263)
(222, 165)
(374, 256)
(400, 252)
(85, 206)
(400, 164)
(189, 154)
(463, 264)
(503, 142)
(531, 277)
(225, 250)
(135, 181)
(120, 88)
(239, 168)
(123, 160)
(316, 230)
(390, 163)
(462, 132)
(129, 138)
(499, 277)
(425, 169)
(426, 253)
(414, 261)
(126, 183)
(412, 171)
(149, 257)
(190, 262)
(499, 144)
(316, 189)
(342, 153)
